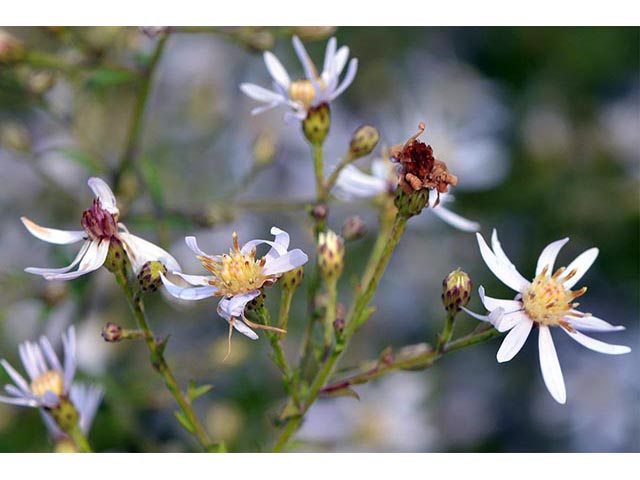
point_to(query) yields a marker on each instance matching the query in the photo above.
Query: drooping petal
(261, 94)
(550, 366)
(193, 246)
(234, 306)
(548, 256)
(455, 220)
(288, 261)
(505, 272)
(347, 80)
(92, 260)
(244, 329)
(141, 251)
(514, 340)
(305, 59)
(265, 108)
(102, 191)
(276, 70)
(581, 264)
(597, 345)
(353, 182)
(53, 271)
(52, 235)
(590, 323)
(197, 280)
(188, 293)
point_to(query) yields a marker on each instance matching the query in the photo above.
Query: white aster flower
(545, 302)
(86, 399)
(301, 95)
(50, 380)
(100, 227)
(354, 183)
(238, 276)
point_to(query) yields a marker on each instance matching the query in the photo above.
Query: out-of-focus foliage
(541, 125)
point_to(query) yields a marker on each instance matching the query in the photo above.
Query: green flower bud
(116, 261)
(411, 204)
(456, 290)
(353, 228)
(292, 279)
(316, 126)
(64, 414)
(330, 255)
(149, 276)
(112, 332)
(363, 141)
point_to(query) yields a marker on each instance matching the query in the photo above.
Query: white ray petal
(329, 55)
(347, 80)
(505, 272)
(103, 192)
(455, 220)
(234, 307)
(46, 347)
(590, 323)
(276, 70)
(15, 376)
(340, 59)
(188, 293)
(23, 402)
(141, 251)
(53, 271)
(265, 108)
(491, 303)
(305, 59)
(197, 280)
(244, 329)
(69, 346)
(261, 94)
(597, 345)
(288, 261)
(52, 235)
(550, 366)
(514, 340)
(510, 320)
(496, 246)
(581, 264)
(353, 182)
(193, 246)
(92, 260)
(548, 256)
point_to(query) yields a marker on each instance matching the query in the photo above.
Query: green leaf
(194, 391)
(184, 421)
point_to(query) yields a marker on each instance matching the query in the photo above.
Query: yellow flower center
(236, 272)
(50, 380)
(302, 91)
(547, 301)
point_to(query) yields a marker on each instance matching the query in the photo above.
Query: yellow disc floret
(304, 92)
(547, 301)
(50, 380)
(236, 272)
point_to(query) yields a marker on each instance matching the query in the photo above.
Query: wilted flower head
(545, 302)
(102, 234)
(238, 276)
(315, 89)
(50, 380)
(354, 183)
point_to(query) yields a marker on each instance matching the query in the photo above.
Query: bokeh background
(542, 126)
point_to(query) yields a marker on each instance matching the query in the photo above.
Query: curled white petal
(103, 192)
(550, 366)
(197, 280)
(288, 261)
(597, 345)
(141, 251)
(54, 271)
(514, 340)
(506, 272)
(52, 235)
(590, 323)
(455, 220)
(491, 303)
(188, 293)
(353, 182)
(581, 264)
(548, 256)
(232, 310)
(93, 259)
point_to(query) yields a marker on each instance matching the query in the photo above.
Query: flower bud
(319, 211)
(316, 126)
(264, 150)
(257, 303)
(456, 290)
(292, 279)
(149, 276)
(330, 255)
(353, 228)
(363, 141)
(116, 261)
(112, 332)
(11, 49)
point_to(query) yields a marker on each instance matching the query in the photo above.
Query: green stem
(352, 323)
(82, 444)
(159, 364)
(330, 312)
(447, 332)
(135, 129)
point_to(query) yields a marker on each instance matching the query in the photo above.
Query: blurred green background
(542, 126)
